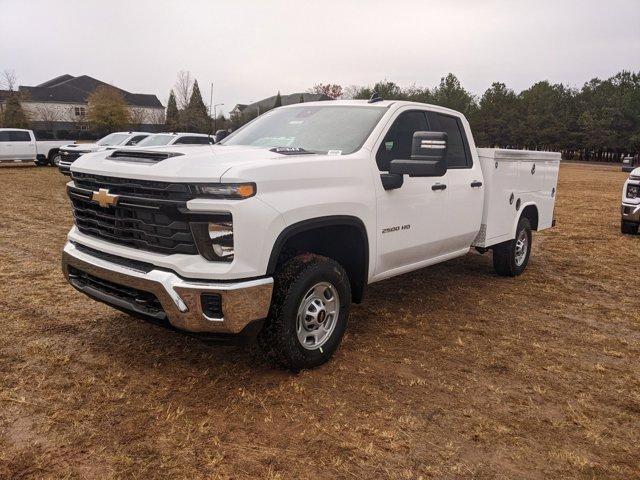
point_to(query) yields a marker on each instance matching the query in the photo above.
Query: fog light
(212, 306)
(221, 235)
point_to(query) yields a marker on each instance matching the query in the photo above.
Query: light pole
(215, 117)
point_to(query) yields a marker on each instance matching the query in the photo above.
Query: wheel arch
(52, 152)
(340, 237)
(529, 211)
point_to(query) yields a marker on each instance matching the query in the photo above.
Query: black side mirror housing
(428, 156)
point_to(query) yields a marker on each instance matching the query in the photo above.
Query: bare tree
(9, 80)
(48, 115)
(138, 117)
(156, 117)
(182, 88)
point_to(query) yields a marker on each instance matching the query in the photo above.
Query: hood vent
(141, 156)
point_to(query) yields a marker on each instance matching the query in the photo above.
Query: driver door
(412, 220)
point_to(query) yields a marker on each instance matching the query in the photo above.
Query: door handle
(438, 186)
(476, 184)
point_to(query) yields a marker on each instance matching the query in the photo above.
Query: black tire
(505, 262)
(628, 228)
(52, 160)
(278, 338)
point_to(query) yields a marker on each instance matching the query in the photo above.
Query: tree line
(600, 121)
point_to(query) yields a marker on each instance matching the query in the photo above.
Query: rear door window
(17, 136)
(4, 137)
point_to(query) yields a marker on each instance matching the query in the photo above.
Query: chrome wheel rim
(56, 160)
(522, 244)
(317, 315)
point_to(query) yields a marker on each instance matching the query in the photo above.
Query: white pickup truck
(70, 153)
(279, 227)
(18, 145)
(630, 208)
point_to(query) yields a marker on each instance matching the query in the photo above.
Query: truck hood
(192, 163)
(84, 147)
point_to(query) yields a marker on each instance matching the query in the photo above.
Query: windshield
(155, 140)
(338, 130)
(113, 139)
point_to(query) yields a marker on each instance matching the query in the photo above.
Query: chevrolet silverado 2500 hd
(70, 153)
(19, 145)
(285, 222)
(630, 208)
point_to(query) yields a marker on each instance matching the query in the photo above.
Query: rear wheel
(54, 160)
(628, 228)
(308, 314)
(511, 258)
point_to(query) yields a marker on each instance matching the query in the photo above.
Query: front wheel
(55, 160)
(308, 314)
(629, 228)
(511, 258)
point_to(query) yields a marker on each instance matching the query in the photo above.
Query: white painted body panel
(507, 173)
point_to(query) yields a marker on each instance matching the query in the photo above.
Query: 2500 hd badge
(396, 228)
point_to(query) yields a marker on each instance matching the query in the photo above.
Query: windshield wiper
(291, 151)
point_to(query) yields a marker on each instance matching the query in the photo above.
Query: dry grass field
(449, 372)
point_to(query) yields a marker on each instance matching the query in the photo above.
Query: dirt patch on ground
(449, 372)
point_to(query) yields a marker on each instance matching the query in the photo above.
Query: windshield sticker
(334, 152)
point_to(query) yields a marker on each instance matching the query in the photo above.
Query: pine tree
(196, 116)
(172, 120)
(278, 102)
(14, 116)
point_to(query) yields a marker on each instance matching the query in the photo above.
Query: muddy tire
(510, 258)
(308, 314)
(628, 228)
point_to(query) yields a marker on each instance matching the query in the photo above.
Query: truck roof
(379, 104)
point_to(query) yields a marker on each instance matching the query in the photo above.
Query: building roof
(269, 102)
(69, 89)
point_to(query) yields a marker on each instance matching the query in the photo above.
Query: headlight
(230, 191)
(214, 239)
(633, 190)
(634, 177)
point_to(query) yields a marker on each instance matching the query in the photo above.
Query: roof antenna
(375, 98)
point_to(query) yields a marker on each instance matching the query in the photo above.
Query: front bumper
(65, 167)
(242, 302)
(630, 212)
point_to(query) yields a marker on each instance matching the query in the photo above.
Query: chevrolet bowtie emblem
(104, 198)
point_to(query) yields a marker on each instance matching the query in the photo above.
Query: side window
(136, 139)
(17, 136)
(193, 141)
(4, 137)
(399, 138)
(457, 148)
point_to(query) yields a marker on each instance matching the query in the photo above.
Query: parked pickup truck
(19, 145)
(70, 153)
(279, 227)
(630, 208)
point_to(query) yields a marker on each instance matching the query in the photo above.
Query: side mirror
(221, 134)
(428, 156)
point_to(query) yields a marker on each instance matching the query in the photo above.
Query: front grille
(69, 156)
(135, 188)
(140, 300)
(633, 190)
(139, 227)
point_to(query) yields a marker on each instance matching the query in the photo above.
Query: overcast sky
(251, 49)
